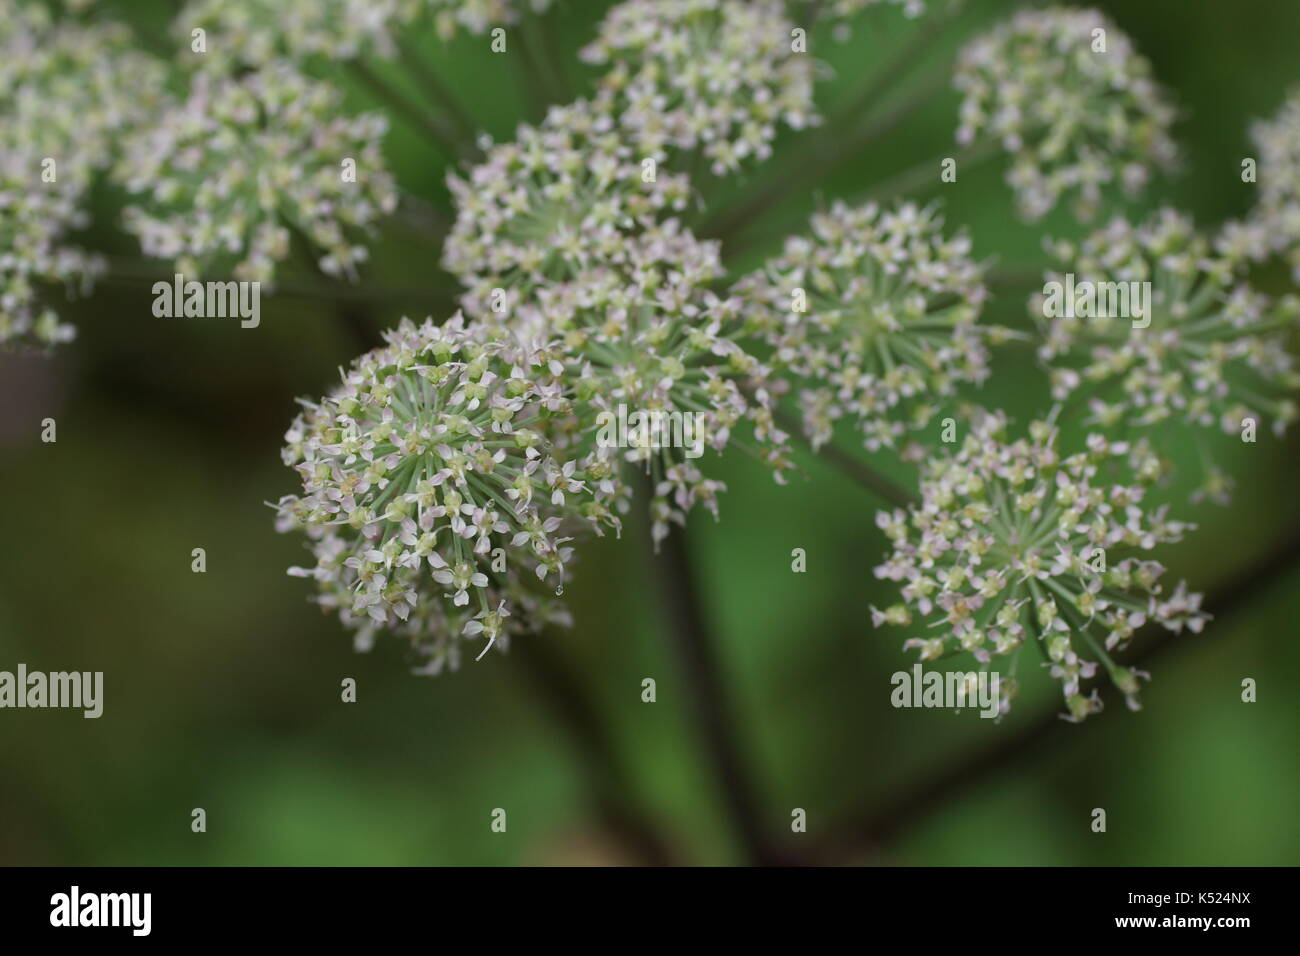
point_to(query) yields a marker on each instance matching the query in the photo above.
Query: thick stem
(576, 713)
(709, 701)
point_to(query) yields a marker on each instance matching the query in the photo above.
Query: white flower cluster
(67, 91)
(719, 75)
(1213, 351)
(34, 218)
(648, 335)
(1012, 542)
(1073, 118)
(433, 501)
(875, 310)
(562, 243)
(560, 198)
(1277, 211)
(258, 32)
(223, 177)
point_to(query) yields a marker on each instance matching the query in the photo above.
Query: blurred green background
(222, 690)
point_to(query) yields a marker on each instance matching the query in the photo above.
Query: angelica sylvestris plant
(1211, 352)
(34, 223)
(1016, 543)
(68, 90)
(432, 501)
(876, 311)
(226, 176)
(559, 198)
(451, 478)
(257, 32)
(649, 334)
(565, 244)
(1064, 93)
(714, 75)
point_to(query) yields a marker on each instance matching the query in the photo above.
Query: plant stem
(863, 99)
(896, 186)
(832, 153)
(578, 716)
(414, 61)
(559, 77)
(883, 488)
(1014, 277)
(531, 80)
(423, 215)
(921, 174)
(415, 115)
(699, 668)
(811, 14)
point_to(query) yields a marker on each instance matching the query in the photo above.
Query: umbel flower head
(1012, 543)
(1277, 210)
(258, 32)
(222, 177)
(1075, 118)
(1213, 351)
(719, 75)
(875, 310)
(658, 365)
(560, 198)
(69, 90)
(34, 219)
(434, 506)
